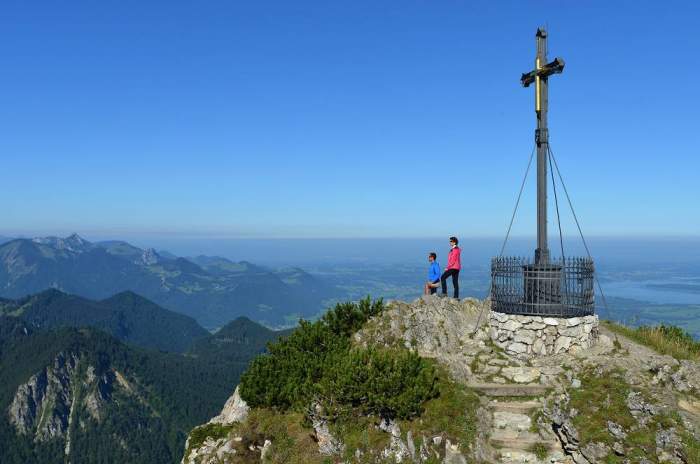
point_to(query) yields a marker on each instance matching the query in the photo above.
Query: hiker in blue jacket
(433, 275)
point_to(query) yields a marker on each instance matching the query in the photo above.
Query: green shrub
(540, 450)
(386, 382)
(318, 363)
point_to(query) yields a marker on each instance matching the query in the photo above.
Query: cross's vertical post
(542, 140)
(540, 77)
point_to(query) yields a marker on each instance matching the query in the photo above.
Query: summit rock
(544, 409)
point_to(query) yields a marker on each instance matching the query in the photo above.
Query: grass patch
(291, 440)
(670, 340)
(534, 420)
(474, 365)
(540, 451)
(598, 400)
(497, 350)
(361, 433)
(616, 344)
(603, 398)
(692, 447)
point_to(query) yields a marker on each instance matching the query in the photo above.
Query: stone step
(511, 420)
(523, 407)
(497, 389)
(517, 456)
(521, 441)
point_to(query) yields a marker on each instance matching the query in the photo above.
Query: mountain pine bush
(318, 363)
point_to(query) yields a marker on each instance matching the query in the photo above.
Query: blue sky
(342, 119)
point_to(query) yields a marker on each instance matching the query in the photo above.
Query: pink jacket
(453, 259)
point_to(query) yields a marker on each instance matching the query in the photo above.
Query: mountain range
(212, 290)
(82, 382)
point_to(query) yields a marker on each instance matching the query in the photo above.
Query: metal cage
(560, 288)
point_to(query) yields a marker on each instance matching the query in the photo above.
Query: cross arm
(555, 67)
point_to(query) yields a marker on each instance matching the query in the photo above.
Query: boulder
(595, 452)
(235, 410)
(328, 445)
(521, 374)
(616, 430)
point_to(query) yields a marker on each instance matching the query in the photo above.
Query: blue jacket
(434, 272)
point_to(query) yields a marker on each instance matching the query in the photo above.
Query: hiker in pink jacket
(454, 264)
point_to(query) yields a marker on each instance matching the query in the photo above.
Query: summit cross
(540, 76)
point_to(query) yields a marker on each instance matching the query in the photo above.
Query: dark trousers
(455, 281)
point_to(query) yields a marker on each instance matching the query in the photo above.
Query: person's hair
(433, 255)
(454, 239)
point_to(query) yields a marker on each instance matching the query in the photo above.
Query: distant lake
(659, 291)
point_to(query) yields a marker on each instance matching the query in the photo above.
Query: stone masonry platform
(527, 336)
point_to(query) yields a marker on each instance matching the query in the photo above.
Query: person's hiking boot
(442, 295)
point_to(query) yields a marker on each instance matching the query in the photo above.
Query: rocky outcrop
(397, 451)
(210, 451)
(401, 450)
(669, 447)
(438, 328)
(563, 427)
(525, 412)
(527, 336)
(41, 406)
(220, 449)
(328, 445)
(45, 406)
(235, 410)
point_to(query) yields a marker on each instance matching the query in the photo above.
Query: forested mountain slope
(126, 316)
(83, 394)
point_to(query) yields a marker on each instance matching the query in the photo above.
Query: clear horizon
(383, 251)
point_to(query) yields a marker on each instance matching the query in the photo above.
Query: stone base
(527, 336)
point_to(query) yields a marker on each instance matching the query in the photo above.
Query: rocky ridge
(542, 409)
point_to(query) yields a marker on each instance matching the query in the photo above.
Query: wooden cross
(540, 76)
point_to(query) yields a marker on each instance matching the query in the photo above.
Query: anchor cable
(556, 203)
(578, 225)
(517, 202)
(561, 237)
(510, 226)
